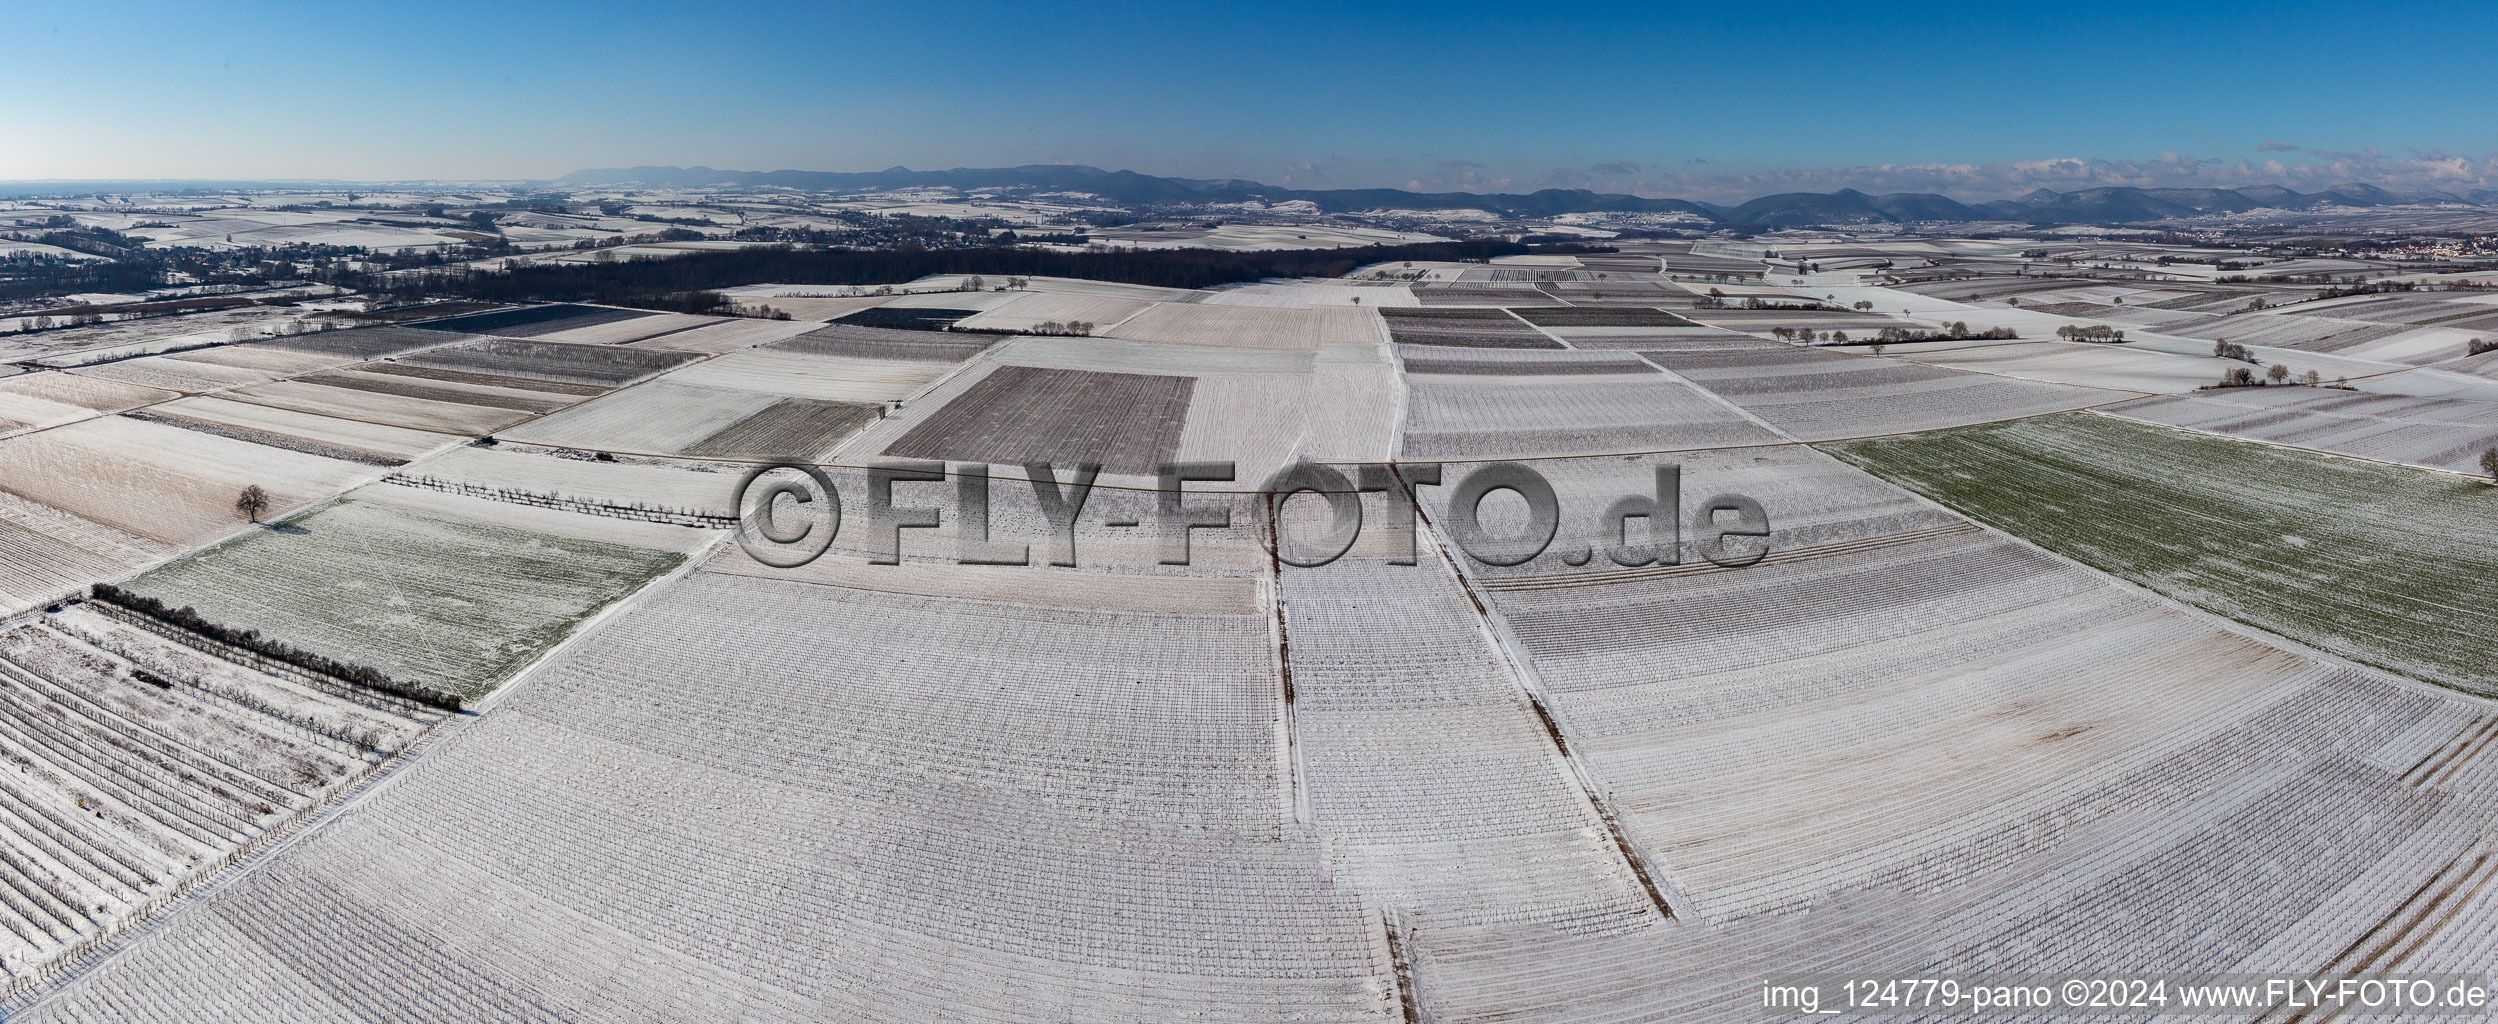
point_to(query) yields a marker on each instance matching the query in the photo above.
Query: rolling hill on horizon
(2107, 205)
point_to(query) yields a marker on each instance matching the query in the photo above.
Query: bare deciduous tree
(253, 502)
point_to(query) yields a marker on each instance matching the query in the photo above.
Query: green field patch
(2389, 566)
(446, 603)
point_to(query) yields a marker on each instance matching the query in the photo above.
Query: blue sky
(1716, 101)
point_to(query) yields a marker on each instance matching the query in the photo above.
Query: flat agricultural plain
(2050, 662)
(2382, 564)
(1821, 393)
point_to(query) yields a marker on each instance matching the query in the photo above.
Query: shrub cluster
(1717, 300)
(1957, 330)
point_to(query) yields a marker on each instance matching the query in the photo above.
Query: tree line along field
(2386, 565)
(429, 600)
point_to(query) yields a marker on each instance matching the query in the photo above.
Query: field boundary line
(588, 626)
(1652, 877)
(1105, 332)
(1539, 329)
(1296, 777)
(2238, 626)
(2135, 393)
(1403, 405)
(2101, 411)
(1782, 556)
(1747, 414)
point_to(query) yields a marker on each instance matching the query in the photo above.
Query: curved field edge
(2388, 566)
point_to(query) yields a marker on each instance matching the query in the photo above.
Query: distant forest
(37, 280)
(687, 283)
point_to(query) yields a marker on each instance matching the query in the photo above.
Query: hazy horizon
(1722, 199)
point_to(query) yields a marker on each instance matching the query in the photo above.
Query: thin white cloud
(1309, 173)
(1459, 176)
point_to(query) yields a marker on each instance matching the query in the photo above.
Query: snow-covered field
(1029, 311)
(1917, 735)
(2438, 433)
(1296, 294)
(2116, 367)
(70, 346)
(12, 247)
(1249, 237)
(439, 416)
(682, 487)
(1822, 393)
(801, 374)
(1197, 323)
(238, 755)
(728, 335)
(660, 417)
(163, 482)
(1508, 417)
(948, 283)
(379, 438)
